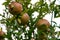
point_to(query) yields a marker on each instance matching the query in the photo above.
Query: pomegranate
(42, 24)
(15, 8)
(25, 18)
(1, 35)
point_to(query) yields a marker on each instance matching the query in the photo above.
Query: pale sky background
(48, 16)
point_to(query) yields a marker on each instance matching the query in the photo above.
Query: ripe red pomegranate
(42, 24)
(15, 8)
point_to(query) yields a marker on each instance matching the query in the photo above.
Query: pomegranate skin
(2, 35)
(25, 18)
(42, 24)
(15, 8)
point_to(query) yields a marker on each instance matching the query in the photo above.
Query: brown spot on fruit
(15, 8)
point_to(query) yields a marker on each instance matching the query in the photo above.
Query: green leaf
(5, 3)
(8, 0)
(0, 14)
(56, 12)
